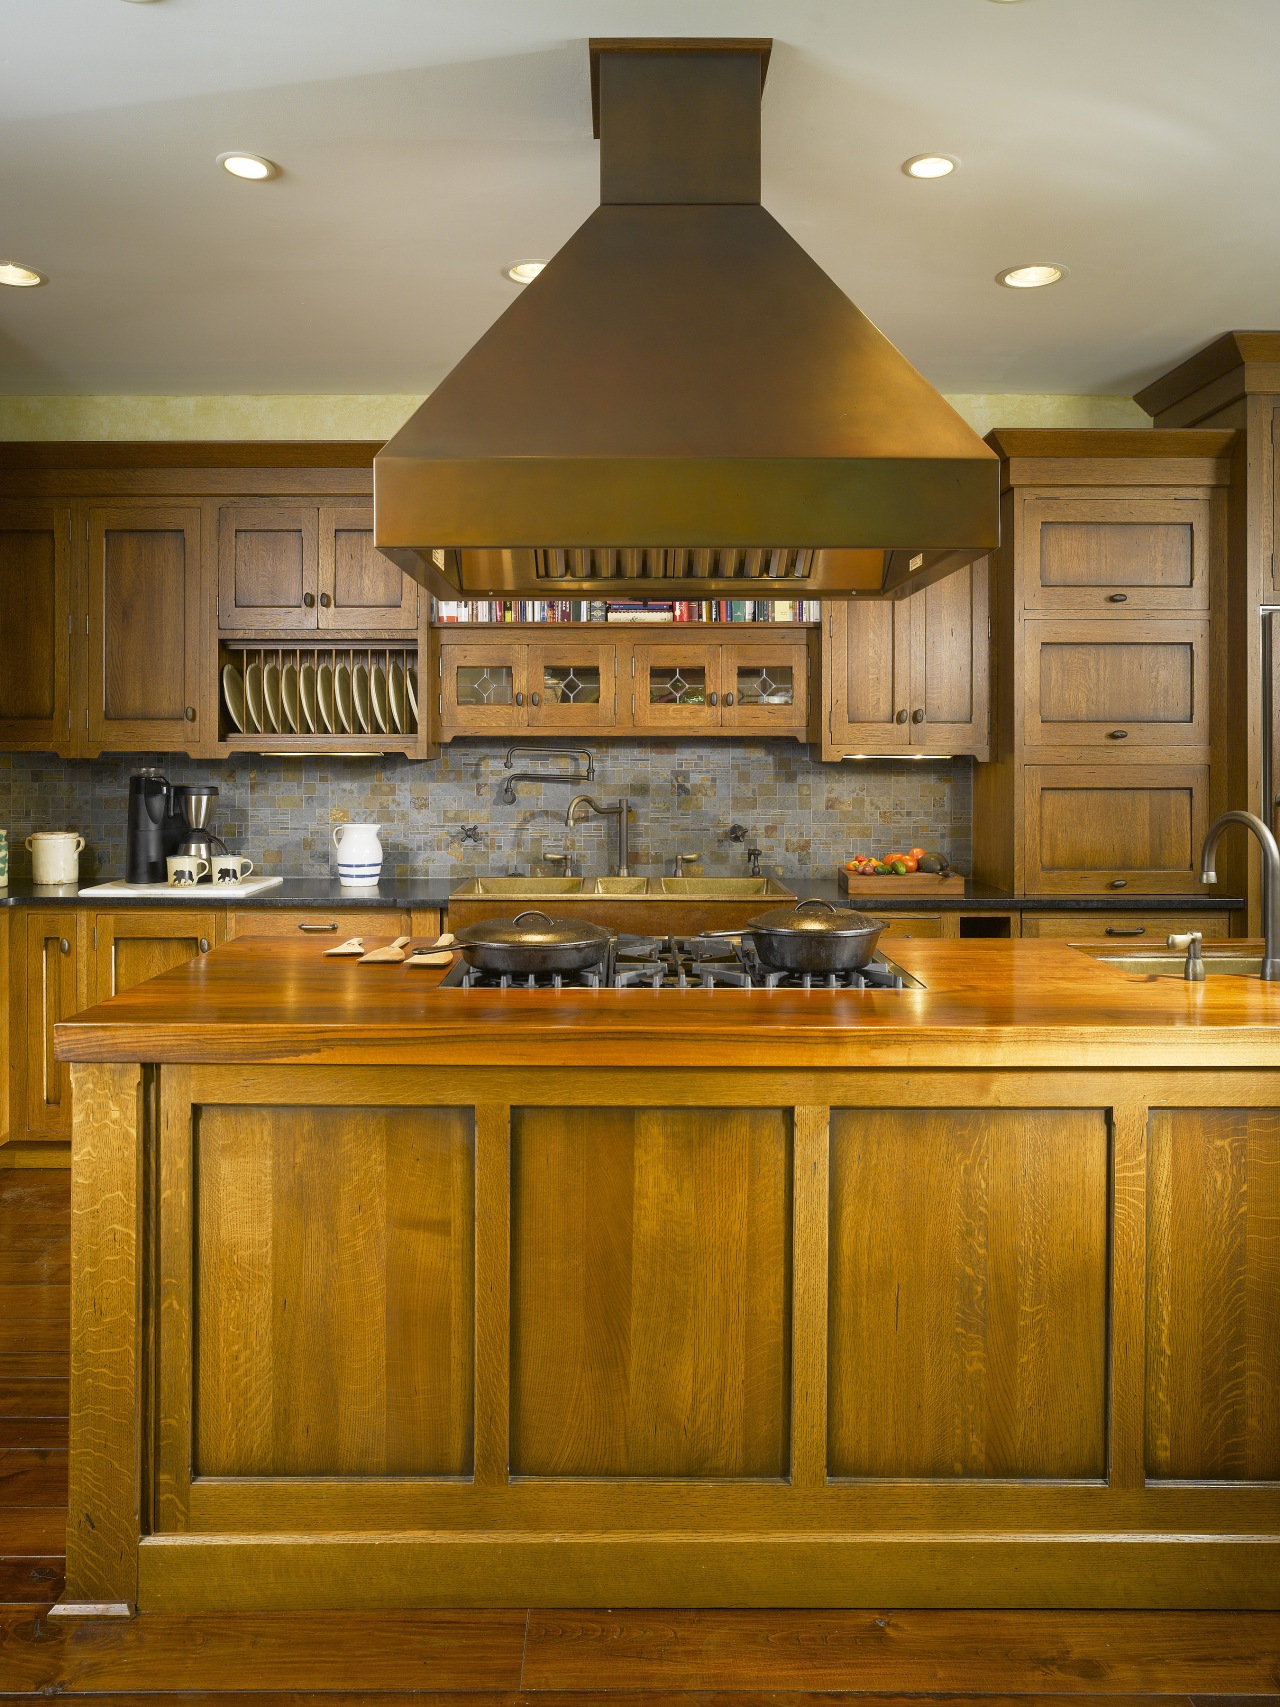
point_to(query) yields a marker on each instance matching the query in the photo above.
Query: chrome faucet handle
(1192, 942)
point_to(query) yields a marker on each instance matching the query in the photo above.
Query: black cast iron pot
(519, 945)
(803, 939)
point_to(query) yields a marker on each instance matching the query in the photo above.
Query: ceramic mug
(55, 856)
(359, 855)
(185, 868)
(227, 868)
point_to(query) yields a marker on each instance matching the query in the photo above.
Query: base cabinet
(49, 981)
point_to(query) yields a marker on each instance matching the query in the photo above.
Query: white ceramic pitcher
(359, 855)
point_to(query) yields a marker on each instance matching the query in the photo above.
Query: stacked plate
(364, 695)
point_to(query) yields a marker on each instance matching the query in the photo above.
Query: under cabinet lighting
(14, 273)
(930, 165)
(523, 272)
(251, 166)
(1031, 277)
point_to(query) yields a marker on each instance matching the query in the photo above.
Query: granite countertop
(406, 893)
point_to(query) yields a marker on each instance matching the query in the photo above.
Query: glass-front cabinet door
(483, 691)
(572, 685)
(765, 688)
(676, 688)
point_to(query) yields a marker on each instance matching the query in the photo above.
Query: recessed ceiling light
(523, 272)
(930, 165)
(251, 166)
(14, 273)
(1031, 277)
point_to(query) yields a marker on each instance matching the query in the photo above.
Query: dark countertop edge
(434, 892)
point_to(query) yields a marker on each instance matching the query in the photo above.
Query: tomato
(918, 853)
(911, 862)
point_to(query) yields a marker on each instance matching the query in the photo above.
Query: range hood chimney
(683, 404)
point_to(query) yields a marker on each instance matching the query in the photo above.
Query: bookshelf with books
(488, 611)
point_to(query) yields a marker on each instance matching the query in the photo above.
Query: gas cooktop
(684, 963)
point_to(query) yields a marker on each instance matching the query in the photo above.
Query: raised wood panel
(334, 1291)
(48, 986)
(359, 587)
(35, 593)
(1213, 1294)
(650, 1291)
(912, 924)
(1118, 685)
(146, 635)
(868, 666)
(1093, 828)
(1151, 928)
(268, 567)
(136, 945)
(326, 927)
(968, 1293)
(1105, 551)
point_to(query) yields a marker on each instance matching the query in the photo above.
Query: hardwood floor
(526, 1659)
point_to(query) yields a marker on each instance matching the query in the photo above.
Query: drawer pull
(204, 945)
(1119, 882)
(1126, 930)
(332, 926)
(64, 945)
(1117, 598)
(1117, 734)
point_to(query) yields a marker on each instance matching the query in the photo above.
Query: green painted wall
(377, 417)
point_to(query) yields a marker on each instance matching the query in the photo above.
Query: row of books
(626, 610)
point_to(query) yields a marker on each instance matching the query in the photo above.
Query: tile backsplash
(805, 816)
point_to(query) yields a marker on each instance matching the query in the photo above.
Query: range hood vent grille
(791, 564)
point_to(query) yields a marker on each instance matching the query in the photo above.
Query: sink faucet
(739, 833)
(685, 859)
(1270, 880)
(618, 810)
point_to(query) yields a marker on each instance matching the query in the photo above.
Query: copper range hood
(683, 404)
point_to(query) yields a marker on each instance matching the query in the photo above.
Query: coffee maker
(194, 802)
(156, 827)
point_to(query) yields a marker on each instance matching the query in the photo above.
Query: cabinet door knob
(190, 714)
(204, 945)
(917, 716)
(535, 699)
(728, 699)
(325, 601)
(1119, 882)
(1117, 734)
(65, 946)
(308, 599)
(519, 699)
(1126, 930)
(713, 699)
(1117, 598)
(899, 717)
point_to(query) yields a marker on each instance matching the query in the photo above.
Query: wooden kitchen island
(390, 1296)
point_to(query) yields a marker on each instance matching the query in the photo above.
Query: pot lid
(830, 921)
(532, 929)
(683, 404)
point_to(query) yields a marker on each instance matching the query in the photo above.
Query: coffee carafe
(150, 832)
(194, 802)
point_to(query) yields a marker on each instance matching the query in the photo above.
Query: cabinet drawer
(1123, 927)
(1116, 553)
(1091, 828)
(1111, 688)
(335, 924)
(911, 924)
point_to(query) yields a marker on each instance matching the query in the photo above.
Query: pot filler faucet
(618, 810)
(1270, 880)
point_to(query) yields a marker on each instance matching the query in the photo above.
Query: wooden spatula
(353, 945)
(437, 953)
(391, 955)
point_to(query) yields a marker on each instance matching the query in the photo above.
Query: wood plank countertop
(985, 1004)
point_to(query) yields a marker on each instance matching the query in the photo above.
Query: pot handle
(814, 901)
(532, 913)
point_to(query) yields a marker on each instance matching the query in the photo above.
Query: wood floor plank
(33, 1478)
(30, 1582)
(33, 1398)
(33, 1432)
(35, 1191)
(45, 1266)
(265, 1651)
(37, 1335)
(52, 1302)
(35, 1365)
(28, 1531)
(907, 1651)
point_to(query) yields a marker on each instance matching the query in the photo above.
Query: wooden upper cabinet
(308, 567)
(1091, 829)
(144, 630)
(268, 567)
(1117, 688)
(909, 675)
(483, 689)
(1142, 550)
(572, 684)
(359, 587)
(676, 687)
(35, 599)
(765, 687)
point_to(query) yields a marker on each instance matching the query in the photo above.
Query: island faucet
(1270, 880)
(618, 810)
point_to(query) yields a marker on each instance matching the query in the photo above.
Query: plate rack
(318, 696)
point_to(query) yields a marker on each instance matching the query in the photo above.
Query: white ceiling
(426, 143)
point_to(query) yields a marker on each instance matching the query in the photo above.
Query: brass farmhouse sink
(561, 889)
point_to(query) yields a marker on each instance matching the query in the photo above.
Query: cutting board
(204, 892)
(910, 883)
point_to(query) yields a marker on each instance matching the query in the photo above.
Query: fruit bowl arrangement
(917, 870)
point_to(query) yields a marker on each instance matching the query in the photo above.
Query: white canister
(55, 856)
(359, 855)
